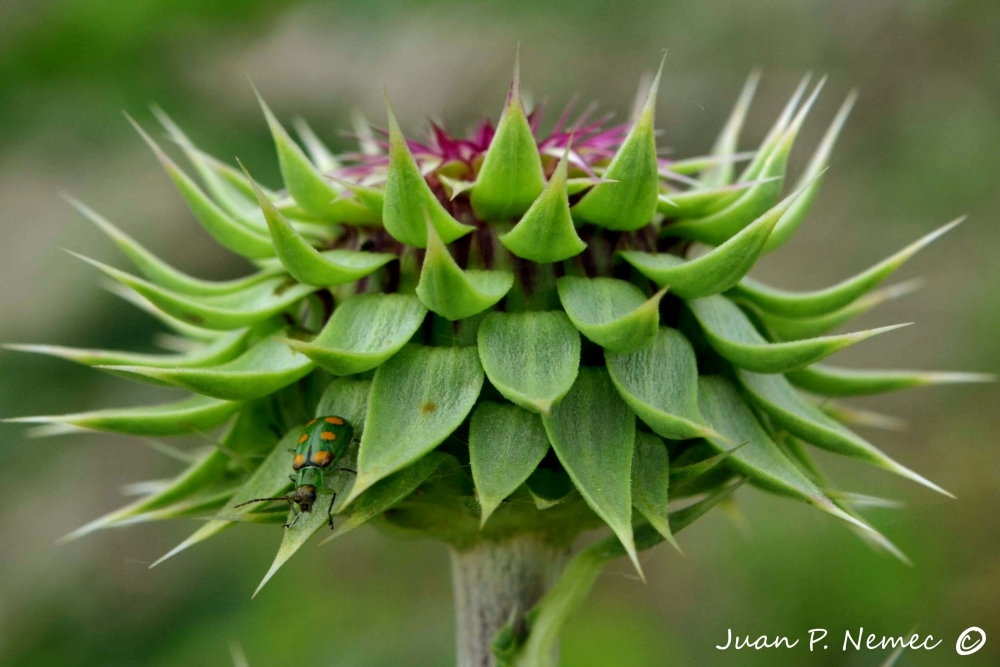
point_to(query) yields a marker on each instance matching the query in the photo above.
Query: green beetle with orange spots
(324, 442)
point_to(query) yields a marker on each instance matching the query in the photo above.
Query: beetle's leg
(291, 506)
(329, 510)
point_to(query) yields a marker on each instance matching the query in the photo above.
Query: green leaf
(789, 410)
(546, 232)
(790, 222)
(453, 293)
(694, 165)
(226, 186)
(651, 483)
(298, 533)
(797, 453)
(270, 517)
(821, 302)
(796, 450)
(850, 416)
(629, 203)
(347, 398)
(387, 493)
(702, 201)
(760, 459)
(715, 228)
(307, 185)
(506, 444)
(373, 198)
(894, 656)
(696, 453)
(613, 313)
(182, 329)
(307, 264)
(531, 358)
(409, 200)
(831, 381)
(198, 505)
(319, 153)
(418, 398)
(774, 135)
(546, 619)
(797, 328)
(225, 348)
(592, 432)
(224, 311)
(158, 271)
(367, 143)
(263, 369)
(575, 186)
(249, 434)
(511, 176)
(722, 173)
(731, 334)
(455, 186)
(718, 227)
(660, 384)
(229, 232)
(197, 413)
(549, 487)
(363, 332)
(337, 484)
(861, 500)
(717, 270)
(269, 480)
(206, 469)
(693, 471)
(236, 179)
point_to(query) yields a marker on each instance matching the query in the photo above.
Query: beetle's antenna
(261, 500)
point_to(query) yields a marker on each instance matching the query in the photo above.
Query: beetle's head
(304, 497)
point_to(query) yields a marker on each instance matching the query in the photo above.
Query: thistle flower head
(515, 324)
(595, 141)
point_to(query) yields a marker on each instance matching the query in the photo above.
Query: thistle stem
(495, 582)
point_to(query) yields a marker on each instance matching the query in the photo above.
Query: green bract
(518, 328)
(613, 313)
(531, 358)
(545, 233)
(511, 176)
(630, 200)
(506, 444)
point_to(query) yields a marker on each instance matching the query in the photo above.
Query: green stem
(495, 583)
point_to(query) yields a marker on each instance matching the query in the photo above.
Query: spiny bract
(515, 326)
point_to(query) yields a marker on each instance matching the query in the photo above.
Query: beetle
(323, 443)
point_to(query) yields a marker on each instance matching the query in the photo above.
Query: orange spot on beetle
(328, 435)
(298, 461)
(305, 436)
(322, 458)
(337, 421)
(311, 423)
(429, 408)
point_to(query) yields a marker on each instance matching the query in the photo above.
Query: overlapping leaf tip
(517, 323)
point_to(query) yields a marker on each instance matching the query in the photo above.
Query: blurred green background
(922, 147)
